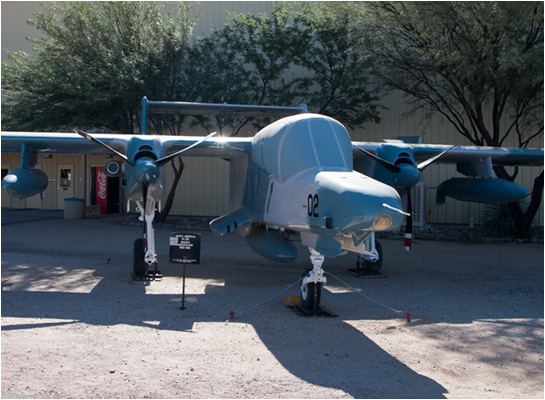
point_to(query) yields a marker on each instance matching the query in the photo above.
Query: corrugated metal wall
(204, 186)
(214, 13)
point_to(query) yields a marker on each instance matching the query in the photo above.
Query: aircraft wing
(61, 143)
(459, 154)
(72, 143)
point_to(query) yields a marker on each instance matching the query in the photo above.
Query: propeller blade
(387, 164)
(409, 225)
(166, 159)
(423, 165)
(145, 188)
(101, 143)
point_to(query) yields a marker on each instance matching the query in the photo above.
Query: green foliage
(496, 220)
(338, 79)
(286, 57)
(245, 62)
(93, 64)
(479, 64)
(96, 60)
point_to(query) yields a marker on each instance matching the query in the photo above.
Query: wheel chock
(295, 304)
(150, 276)
(361, 273)
(293, 301)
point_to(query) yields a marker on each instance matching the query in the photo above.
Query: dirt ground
(75, 326)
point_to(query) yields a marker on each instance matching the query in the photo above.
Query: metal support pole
(143, 127)
(183, 290)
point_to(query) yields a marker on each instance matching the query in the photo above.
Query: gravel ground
(75, 326)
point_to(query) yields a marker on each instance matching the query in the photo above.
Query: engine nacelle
(23, 182)
(269, 244)
(481, 190)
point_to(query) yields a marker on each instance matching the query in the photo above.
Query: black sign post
(185, 248)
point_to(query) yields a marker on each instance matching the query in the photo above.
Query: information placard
(185, 248)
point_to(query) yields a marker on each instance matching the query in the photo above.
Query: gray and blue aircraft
(302, 174)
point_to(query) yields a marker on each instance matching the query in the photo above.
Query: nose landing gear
(311, 287)
(144, 248)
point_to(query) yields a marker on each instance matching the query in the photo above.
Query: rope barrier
(404, 314)
(358, 291)
(233, 313)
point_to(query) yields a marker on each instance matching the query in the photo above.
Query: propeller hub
(407, 177)
(146, 170)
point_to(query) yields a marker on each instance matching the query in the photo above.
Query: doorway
(65, 184)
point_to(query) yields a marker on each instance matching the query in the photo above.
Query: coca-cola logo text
(101, 181)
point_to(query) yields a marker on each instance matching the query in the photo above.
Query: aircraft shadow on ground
(362, 368)
(366, 369)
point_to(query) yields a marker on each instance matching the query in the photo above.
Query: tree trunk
(163, 214)
(523, 219)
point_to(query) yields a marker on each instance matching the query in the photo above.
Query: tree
(478, 64)
(93, 64)
(246, 62)
(338, 78)
(285, 58)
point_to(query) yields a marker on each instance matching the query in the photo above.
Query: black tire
(372, 267)
(140, 267)
(312, 296)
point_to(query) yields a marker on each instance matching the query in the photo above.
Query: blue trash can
(74, 208)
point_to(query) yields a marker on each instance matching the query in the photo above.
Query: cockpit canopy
(301, 142)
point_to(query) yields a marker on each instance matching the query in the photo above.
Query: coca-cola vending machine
(101, 190)
(105, 191)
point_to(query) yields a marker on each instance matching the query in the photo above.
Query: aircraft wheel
(312, 295)
(371, 267)
(140, 267)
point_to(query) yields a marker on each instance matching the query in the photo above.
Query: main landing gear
(369, 263)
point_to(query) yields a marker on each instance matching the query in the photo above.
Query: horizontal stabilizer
(231, 222)
(180, 107)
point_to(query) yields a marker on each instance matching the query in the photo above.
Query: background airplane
(300, 174)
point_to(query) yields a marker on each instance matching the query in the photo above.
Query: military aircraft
(302, 173)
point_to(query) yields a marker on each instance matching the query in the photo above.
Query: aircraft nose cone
(359, 202)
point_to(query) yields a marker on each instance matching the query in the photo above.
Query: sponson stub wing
(231, 222)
